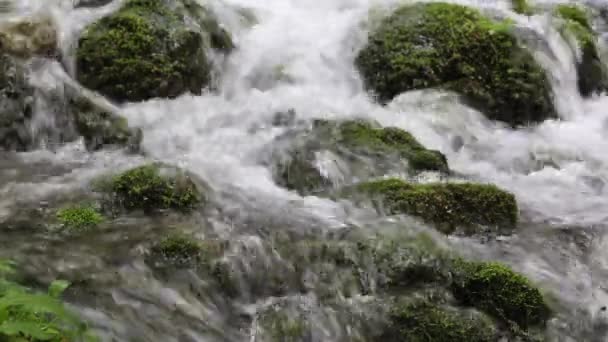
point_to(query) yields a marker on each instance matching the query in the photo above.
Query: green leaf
(30, 329)
(58, 287)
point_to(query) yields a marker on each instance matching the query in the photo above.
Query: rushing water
(299, 55)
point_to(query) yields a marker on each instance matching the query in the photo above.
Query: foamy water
(299, 55)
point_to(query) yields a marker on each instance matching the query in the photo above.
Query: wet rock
(501, 292)
(29, 36)
(449, 206)
(102, 128)
(423, 320)
(455, 47)
(351, 151)
(592, 73)
(16, 105)
(152, 187)
(91, 3)
(150, 48)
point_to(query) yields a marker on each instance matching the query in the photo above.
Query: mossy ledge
(592, 74)
(446, 205)
(146, 50)
(152, 187)
(499, 291)
(428, 45)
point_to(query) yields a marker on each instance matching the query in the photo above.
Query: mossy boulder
(592, 74)
(454, 47)
(361, 150)
(496, 289)
(153, 187)
(16, 105)
(79, 217)
(447, 205)
(423, 321)
(148, 49)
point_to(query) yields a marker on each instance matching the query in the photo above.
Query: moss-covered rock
(447, 205)
(146, 49)
(16, 105)
(363, 150)
(79, 217)
(592, 74)
(451, 46)
(501, 292)
(101, 127)
(522, 7)
(152, 187)
(422, 321)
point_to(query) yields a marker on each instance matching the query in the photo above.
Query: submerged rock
(455, 47)
(448, 206)
(358, 150)
(150, 48)
(592, 73)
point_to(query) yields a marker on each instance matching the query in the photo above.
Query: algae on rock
(447, 205)
(153, 187)
(362, 149)
(146, 49)
(501, 292)
(428, 45)
(420, 320)
(592, 73)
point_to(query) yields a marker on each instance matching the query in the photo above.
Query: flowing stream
(298, 56)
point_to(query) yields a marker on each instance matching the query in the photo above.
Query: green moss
(422, 321)
(361, 135)
(521, 7)
(455, 47)
(501, 292)
(574, 13)
(79, 217)
(592, 75)
(143, 50)
(145, 188)
(178, 247)
(447, 205)
(280, 327)
(185, 250)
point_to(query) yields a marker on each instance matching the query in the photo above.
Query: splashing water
(299, 55)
